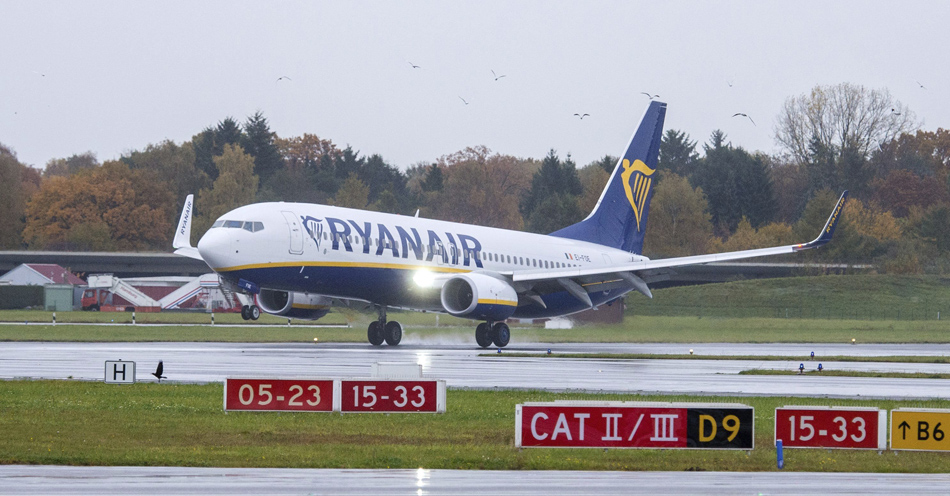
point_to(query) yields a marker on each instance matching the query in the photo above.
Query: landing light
(423, 278)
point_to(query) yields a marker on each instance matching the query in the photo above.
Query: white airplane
(300, 259)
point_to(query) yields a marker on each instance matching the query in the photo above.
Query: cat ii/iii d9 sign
(578, 424)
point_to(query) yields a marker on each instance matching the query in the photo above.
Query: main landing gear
(487, 333)
(250, 312)
(380, 330)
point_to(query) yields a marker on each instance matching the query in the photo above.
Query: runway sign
(920, 429)
(580, 424)
(119, 372)
(392, 395)
(831, 427)
(278, 395)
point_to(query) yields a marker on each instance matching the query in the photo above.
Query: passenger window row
(484, 256)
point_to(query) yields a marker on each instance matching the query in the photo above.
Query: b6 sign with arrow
(920, 429)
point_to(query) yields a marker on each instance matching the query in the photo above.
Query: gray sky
(113, 76)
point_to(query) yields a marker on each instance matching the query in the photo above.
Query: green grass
(687, 330)
(853, 297)
(89, 423)
(849, 373)
(758, 358)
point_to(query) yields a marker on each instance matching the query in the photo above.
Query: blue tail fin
(620, 217)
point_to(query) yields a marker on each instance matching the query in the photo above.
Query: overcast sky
(113, 76)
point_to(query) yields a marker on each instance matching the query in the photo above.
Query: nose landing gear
(250, 312)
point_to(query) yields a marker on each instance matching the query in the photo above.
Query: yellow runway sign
(920, 429)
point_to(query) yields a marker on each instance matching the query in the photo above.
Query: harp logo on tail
(638, 191)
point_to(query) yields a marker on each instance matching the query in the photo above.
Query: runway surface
(462, 366)
(34, 480)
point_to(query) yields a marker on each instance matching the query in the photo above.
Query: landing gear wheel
(375, 333)
(254, 313)
(393, 333)
(483, 335)
(246, 312)
(500, 334)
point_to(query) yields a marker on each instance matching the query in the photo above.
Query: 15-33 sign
(830, 427)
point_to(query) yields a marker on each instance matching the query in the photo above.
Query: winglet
(829, 230)
(182, 241)
(183, 233)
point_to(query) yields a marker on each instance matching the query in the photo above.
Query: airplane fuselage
(387, 259)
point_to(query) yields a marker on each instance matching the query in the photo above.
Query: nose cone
(215, 248)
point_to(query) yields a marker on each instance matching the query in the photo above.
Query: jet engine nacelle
(293, 305)
(478, 296)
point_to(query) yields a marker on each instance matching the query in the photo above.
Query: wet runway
(462, 366)
(33, 480)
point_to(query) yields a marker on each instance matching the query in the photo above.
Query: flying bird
(651, 97)
(921, 86)
(463, 100)
(737, 114)
(730, 82)
(414, 66)
(582, 116)
(895, 112)
(497, 77)
(158, 371)
(285, 77)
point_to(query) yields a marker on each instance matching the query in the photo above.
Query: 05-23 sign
(278, 395)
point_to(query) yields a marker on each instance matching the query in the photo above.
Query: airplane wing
(638, 274)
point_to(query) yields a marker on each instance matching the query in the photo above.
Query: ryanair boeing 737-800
(299, 259)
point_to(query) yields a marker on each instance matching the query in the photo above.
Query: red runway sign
(278, 395)
(392, 395)
(831, 427)
(634, 425)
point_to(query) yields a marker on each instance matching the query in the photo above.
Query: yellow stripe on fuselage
(362, 265)
(498, 302)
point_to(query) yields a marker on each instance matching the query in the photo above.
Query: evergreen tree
(433, 179)
(677, 153)
(736, 185)
(258, 141)
(556, 186)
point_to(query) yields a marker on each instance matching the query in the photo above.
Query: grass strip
(90, 423)
(849, 373)
(775, 358)
(686, 330)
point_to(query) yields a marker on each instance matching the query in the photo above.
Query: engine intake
(478, 296)
(293, 305)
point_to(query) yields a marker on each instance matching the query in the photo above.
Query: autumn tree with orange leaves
(106, 208)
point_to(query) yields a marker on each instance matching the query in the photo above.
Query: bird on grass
(737, 114)
(158, 371)
(497, 77)
(651, 97)
(582, 115)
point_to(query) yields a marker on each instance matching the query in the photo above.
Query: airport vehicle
(301, 259)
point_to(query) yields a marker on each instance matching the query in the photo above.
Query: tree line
(711, 197)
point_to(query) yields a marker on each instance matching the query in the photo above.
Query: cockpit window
(253, 226)
(250, 226)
